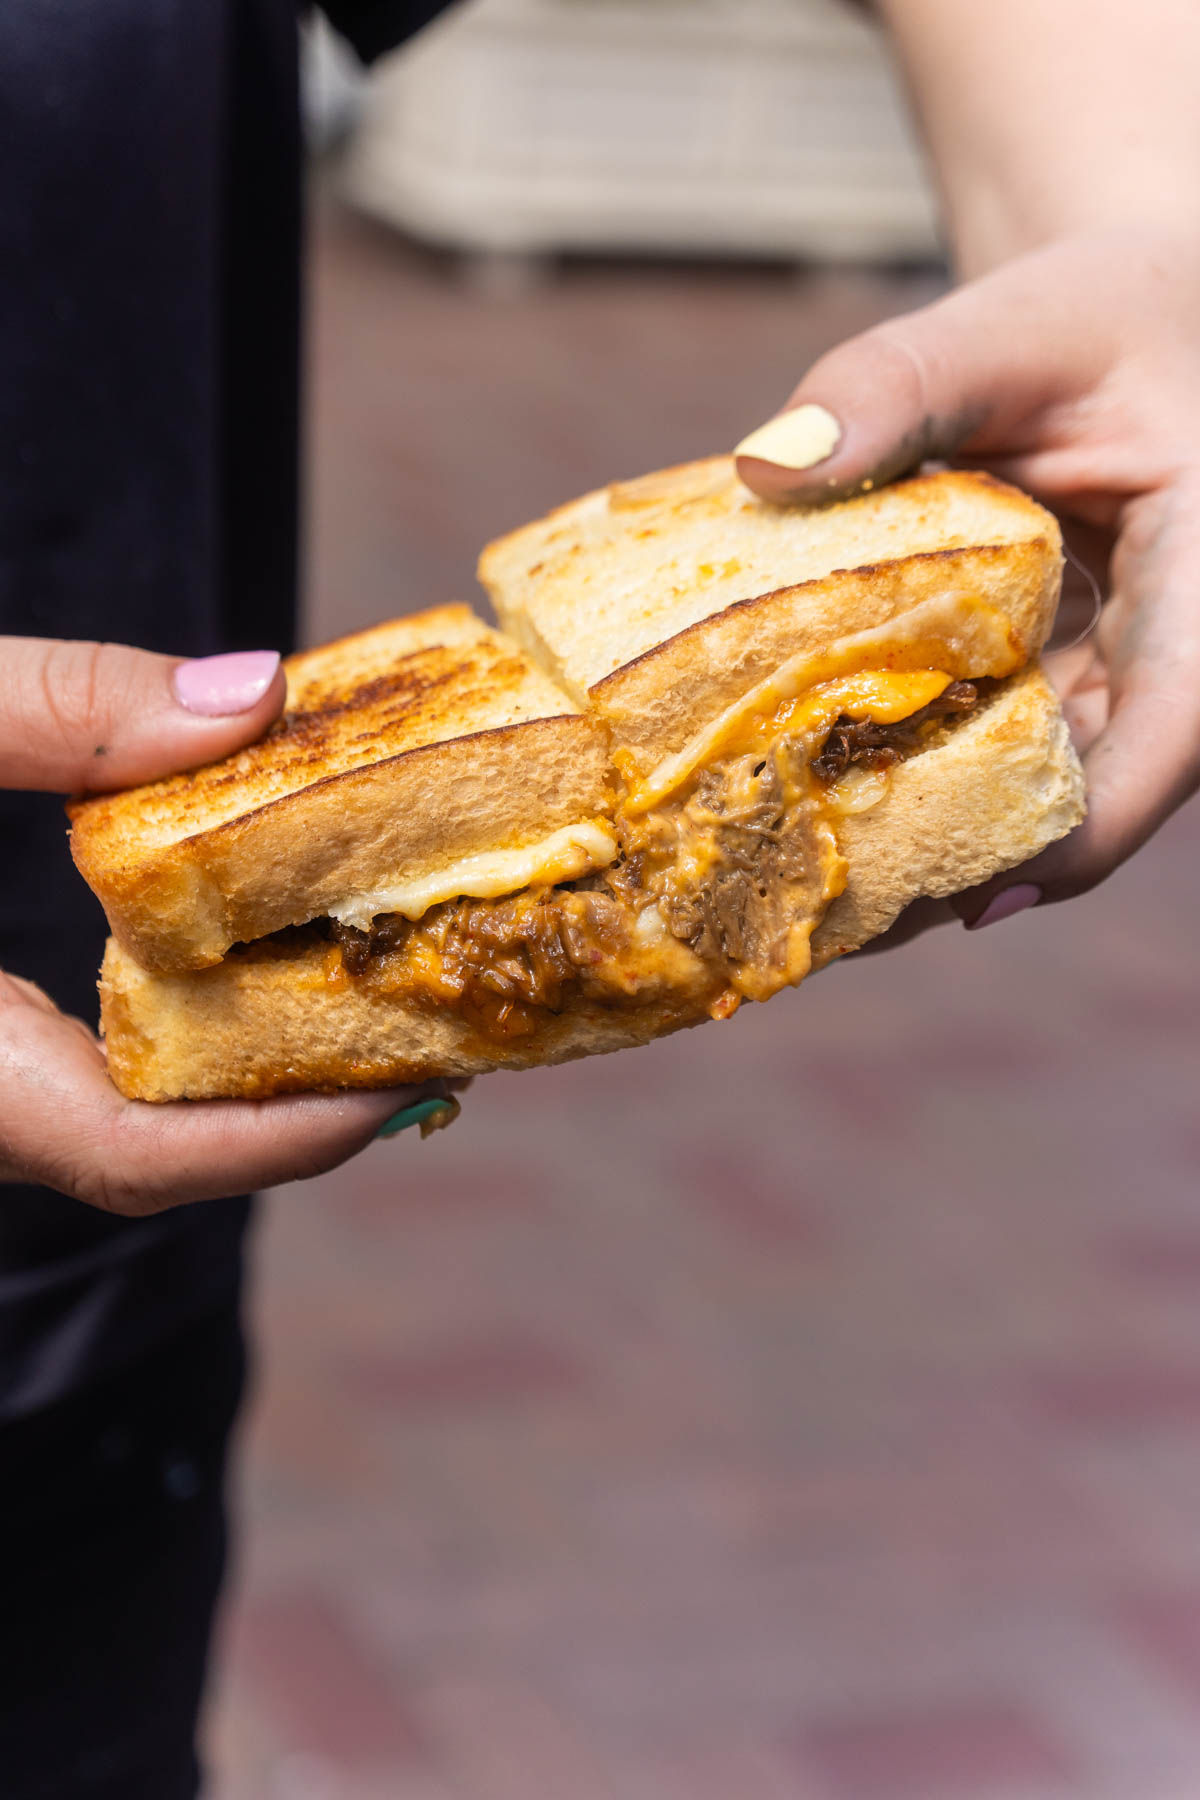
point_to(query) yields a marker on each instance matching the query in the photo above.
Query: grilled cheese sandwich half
(598, 829)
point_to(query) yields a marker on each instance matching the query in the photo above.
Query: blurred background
(802, 1409)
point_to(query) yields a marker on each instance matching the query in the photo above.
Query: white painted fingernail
(798, 439)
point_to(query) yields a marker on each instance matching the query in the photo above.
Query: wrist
(1115, 250)
(1047, 121)
(987, 229)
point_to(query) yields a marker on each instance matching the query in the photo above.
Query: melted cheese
(760, 984)
(857, 791)
(565, 855)
(883, 695)
(877, 694)
(885, 674)
(946, 639)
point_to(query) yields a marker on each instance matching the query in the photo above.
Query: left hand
(77, 718)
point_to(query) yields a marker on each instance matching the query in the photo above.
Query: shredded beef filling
(731, 869)
(862, 743)
(530, 946)
(737, 863)
(501, 959)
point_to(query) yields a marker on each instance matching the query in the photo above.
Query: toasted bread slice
(993, 792)
(662, 600)
(403, 750)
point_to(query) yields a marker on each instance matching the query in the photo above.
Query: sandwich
(715, 745)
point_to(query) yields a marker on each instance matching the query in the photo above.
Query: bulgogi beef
(863, 743)
(732, 867)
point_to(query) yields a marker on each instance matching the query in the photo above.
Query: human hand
(78, 718)
(1073, 371)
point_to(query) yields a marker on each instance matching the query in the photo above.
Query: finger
(1136, 776)
(1145, 760)
(63, 1124)
(81, 718)
(971, 372)
(918, 917)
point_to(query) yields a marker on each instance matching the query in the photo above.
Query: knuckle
(99, 1161)
(112, 1171)
(132, 1171)
(16, 994)
(303, 1164)
(69, 697)
(64, 1170)
(113, 1190)
(322, 1143)
(905, 365)
(1080, 862)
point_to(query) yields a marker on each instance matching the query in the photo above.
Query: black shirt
(149, 238)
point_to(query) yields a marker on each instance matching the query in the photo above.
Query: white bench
(759, 128)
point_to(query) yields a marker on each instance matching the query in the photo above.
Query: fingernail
(424, 1113)
(216, 685)
(798, 439)
(1004, 906)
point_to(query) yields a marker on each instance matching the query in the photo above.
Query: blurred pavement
(805, 1408)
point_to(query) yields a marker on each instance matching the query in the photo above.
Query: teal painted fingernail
(420, 1113)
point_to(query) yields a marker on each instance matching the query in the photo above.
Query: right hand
(1073, 371)
(78, 718)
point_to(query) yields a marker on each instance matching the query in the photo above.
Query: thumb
(80, 718)
(972, 373)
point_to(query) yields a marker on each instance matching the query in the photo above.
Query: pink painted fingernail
(1012, 900)
(216, 685)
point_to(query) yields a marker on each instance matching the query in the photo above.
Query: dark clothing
(374, 26)
(113, 1526)
(149, 229)
(149, 242)
(149, 237)
(149, 220)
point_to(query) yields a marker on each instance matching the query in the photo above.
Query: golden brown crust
(662, 599)
(652, 705)
(410, 745)
(659, 648)
(403, 749)
(995, 791)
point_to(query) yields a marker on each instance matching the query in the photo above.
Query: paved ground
(807, 1408)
